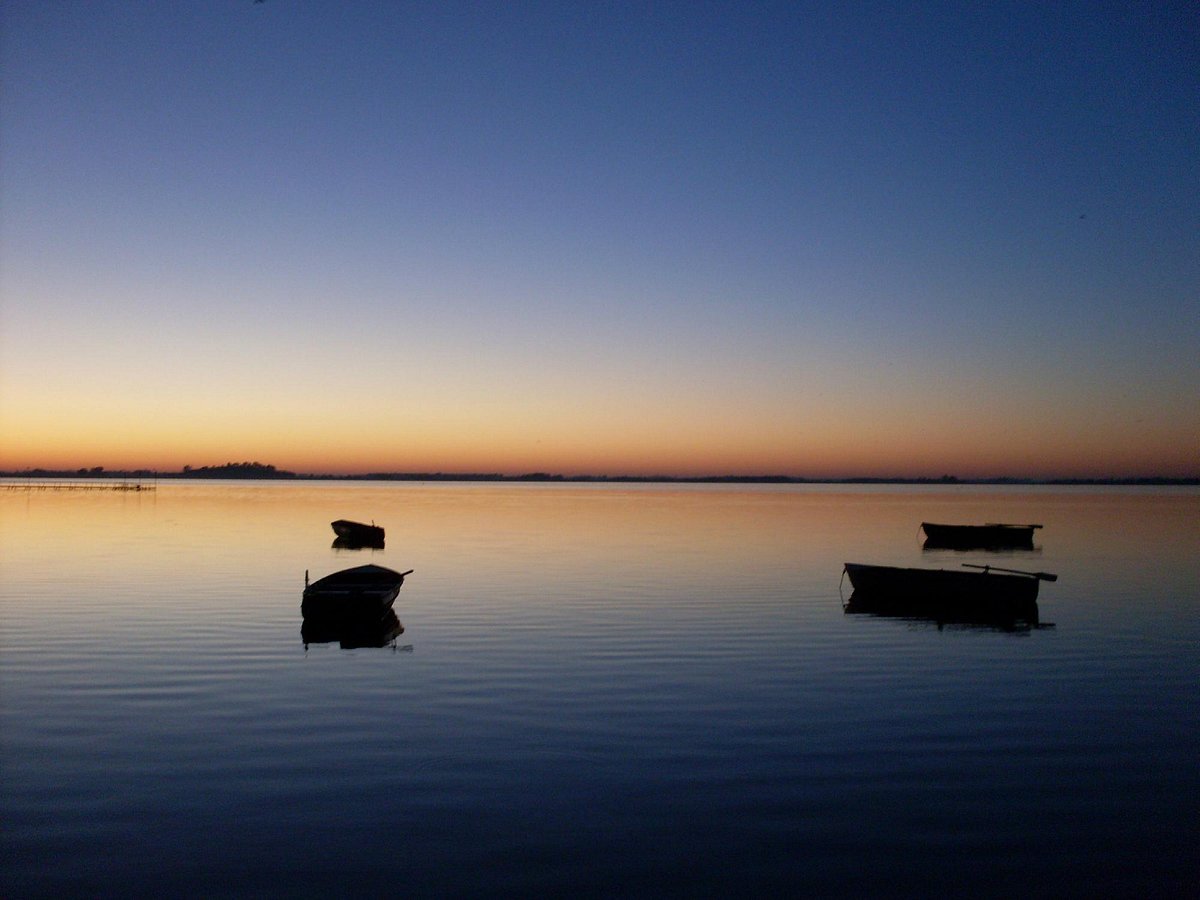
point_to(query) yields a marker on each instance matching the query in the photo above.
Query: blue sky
(818, 239)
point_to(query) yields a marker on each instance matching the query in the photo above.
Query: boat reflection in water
(350, 543)
(352, 632)
(1001, 598)
(993, 536)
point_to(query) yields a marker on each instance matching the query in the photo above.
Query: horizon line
(261, 472)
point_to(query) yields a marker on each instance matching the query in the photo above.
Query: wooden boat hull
(352, 535)
(978, 537)
(361, 593)
(945, 595)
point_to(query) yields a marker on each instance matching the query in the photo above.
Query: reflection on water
(620, 690)
(349, 543)
(983, 616)
(352, 632)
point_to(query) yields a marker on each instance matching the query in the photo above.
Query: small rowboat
(363, 592)
(356, 534)
(990, 595)
(993, 536)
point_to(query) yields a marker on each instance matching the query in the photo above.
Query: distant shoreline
(257, 472)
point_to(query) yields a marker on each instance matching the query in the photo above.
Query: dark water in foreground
(600, 690)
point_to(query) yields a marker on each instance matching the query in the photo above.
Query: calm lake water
(600, 690)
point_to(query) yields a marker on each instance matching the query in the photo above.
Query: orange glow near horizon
(681, 450)
(582, 425)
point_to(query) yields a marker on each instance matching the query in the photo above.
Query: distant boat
(355, 534)
(993, 536)
(363, 593)
(989, 595)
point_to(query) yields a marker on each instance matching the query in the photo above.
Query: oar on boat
(1041, 576)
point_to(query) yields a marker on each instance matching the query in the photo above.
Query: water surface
(600, 689)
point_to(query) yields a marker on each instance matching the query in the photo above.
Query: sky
(810, 239)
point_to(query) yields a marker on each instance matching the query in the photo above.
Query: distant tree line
(258, 470)
(237, 470)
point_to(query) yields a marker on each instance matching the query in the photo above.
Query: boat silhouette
(357, 593)
(992, 536)
(987, 596)
(356, 535)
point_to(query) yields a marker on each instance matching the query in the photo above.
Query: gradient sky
(682, 238)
